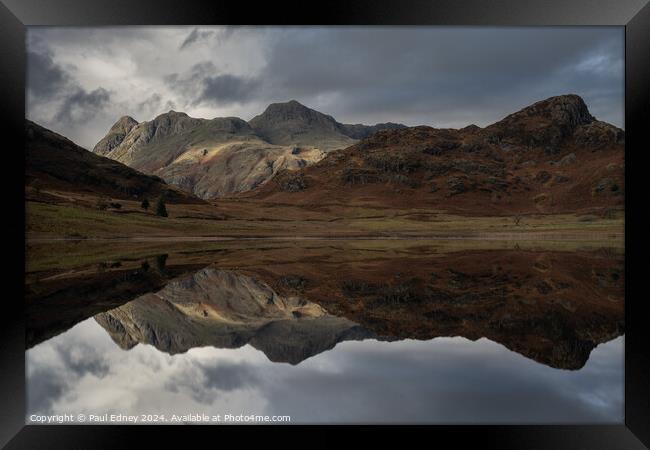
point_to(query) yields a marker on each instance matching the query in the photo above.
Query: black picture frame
(634, 15)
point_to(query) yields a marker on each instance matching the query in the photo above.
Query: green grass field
(61, 221)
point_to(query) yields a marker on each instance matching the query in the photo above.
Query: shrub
(360, 176)
(161, 262)
(294, 282)
(145, 204)
(293, 182)
(161, 209)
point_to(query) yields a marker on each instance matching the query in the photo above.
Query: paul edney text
(156, 418)
(115, 418)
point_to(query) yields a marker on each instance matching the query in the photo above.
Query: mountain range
(552, 157)
(222, 156)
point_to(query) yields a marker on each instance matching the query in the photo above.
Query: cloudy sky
(450, 380)
(81, 80)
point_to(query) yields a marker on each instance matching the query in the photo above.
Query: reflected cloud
(445, 380)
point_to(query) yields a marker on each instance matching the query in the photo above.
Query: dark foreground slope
(54, 163)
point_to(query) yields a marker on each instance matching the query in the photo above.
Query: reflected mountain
(553, 307)
(228, 310)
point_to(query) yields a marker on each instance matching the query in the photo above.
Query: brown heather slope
(550, 157)
(54, 163)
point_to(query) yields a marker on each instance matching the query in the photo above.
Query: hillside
(550, 157)
(56, 164)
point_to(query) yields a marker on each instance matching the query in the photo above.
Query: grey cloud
(193, 37)
(229, 376)
(438, 76)
(82, 105)
(197, 35)
(206, 382)
(44, 78)
(431, 75)
(45, 387)
(84, 361)
(452, 387)
(227, 88)
(200, 85)
(56, 98)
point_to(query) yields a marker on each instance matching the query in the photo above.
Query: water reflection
(225, 309)
(206, 331)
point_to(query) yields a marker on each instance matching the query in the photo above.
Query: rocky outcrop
(115, 135)
(359, 131)
(598, 134)
(544, 123)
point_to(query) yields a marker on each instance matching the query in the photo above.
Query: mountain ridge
(552, 156)
(207, 156)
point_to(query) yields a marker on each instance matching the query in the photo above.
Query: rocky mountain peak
(115, 135)
(124, 124)
(544, 123)
(290, 111)
(569, 110)
(171, 123)
(171, 116)
(292, 123)
(172, 113)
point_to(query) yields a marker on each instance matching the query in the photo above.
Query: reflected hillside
(56, 300)
(550, 306)
(295, 300)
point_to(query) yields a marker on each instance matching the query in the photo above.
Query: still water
(324, 333)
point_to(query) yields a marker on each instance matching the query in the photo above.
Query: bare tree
(517, 219)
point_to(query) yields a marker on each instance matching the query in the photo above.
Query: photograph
(325, 225)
